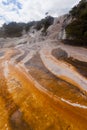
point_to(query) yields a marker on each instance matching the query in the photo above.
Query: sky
(29, 10)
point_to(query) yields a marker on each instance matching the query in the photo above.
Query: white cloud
(24, 11)
(1, 22)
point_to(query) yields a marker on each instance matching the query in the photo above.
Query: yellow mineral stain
(40, 110)
(28, 105)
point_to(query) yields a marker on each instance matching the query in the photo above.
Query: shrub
(44, 23)
(77, 29)
(13, 29)
(29, 25)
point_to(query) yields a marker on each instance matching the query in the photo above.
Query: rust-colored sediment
(35, 103)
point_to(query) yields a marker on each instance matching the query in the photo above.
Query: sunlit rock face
(62, 33)
(43, 83)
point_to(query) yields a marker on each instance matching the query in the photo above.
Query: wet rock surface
(79, 65)
(41, 86)
(34, 98)
(60, 54)
(17, 122)
(1, 54)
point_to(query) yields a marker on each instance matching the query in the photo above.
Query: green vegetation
(13, 29)
(29, 25)
(44, 23)
(77, 29)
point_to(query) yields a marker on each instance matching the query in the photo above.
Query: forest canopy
(77, 29)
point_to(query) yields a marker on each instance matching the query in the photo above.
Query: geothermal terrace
(43, 86)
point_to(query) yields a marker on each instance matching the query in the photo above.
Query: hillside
(77, 29)
(14, 29)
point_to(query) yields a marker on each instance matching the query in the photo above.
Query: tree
(77, 29)
(13, 29)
